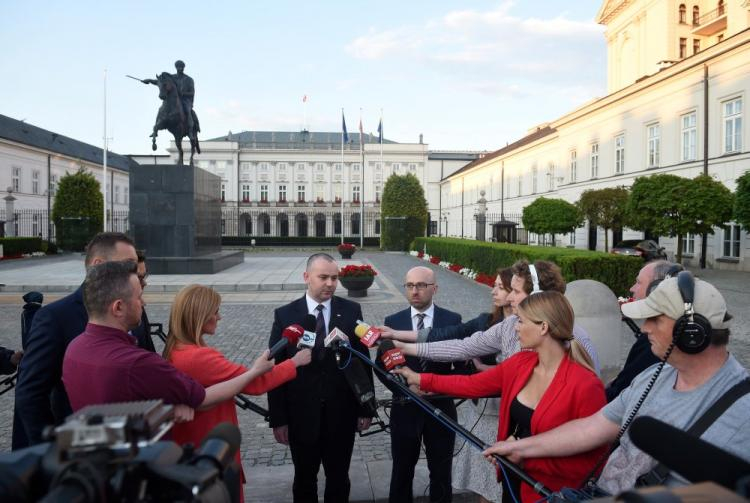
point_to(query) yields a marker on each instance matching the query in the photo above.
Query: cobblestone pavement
(246, 322)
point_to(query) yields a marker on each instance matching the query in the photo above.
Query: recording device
(109, 453)
(308, 332)
(289, 337)
(368, 334)
(693, 458)
(392, 358)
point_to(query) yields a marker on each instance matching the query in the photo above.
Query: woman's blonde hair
(191, 309)
(553, 308)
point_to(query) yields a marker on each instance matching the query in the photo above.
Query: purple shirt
(104, 365)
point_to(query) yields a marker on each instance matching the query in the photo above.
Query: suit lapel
(550, 395)
(336, 318)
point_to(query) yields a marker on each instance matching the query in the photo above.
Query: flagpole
(104, 157)
(343, 122)
(362, 186)
(382, 164)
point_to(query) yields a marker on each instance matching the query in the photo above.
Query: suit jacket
(574, 392)
(298, 402)
(402, 321)
(40, 395)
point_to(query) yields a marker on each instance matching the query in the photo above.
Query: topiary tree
(551, 216)
(672, 206)
(78, 208)
(604, 208)
(403, 212)
(742, 201)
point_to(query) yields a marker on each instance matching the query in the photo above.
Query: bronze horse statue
(171, 116)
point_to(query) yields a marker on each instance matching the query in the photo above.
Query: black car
(645, 248)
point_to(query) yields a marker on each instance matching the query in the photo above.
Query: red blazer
(207, 366)
(574, 392)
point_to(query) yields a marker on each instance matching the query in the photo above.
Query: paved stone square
(247, 316)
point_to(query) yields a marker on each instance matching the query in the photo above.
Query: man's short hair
(104, 244)
(106, 283)
(549, 274)
(665, 268)
(666, 299)
(317, 256)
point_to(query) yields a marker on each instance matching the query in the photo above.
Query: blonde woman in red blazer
(195, 313)
(548, 384)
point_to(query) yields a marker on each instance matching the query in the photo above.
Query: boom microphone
(693, 458)
(368, 334)
(392, 358)
(290, 336)
(220, 445)
(308, 335)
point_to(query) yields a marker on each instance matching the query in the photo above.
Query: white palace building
(678, 83)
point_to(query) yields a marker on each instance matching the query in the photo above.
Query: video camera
(113, 453)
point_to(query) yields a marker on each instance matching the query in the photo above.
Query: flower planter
(357, 285)
(346, 253)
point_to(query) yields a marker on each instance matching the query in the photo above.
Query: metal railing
(710, 16)
(302, 222)
(36, 223)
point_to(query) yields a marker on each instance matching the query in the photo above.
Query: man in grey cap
(689, 384)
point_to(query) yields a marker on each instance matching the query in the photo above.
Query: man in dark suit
(317, 414)
(40, 396)
(410, 425)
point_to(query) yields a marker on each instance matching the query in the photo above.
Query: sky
(468, 75)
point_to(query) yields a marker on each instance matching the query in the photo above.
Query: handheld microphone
(308, 335)
(335, 339)
(368, 334)
(693, 458)
(290, 336)
(392, 358)
(360, 383)
(219, 446)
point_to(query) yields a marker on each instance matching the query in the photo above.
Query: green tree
(742, 201)
(551, 216)
(78, 208)
(604, 208)
(671, 205)
(403, 212)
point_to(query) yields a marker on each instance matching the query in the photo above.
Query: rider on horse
(186, 92)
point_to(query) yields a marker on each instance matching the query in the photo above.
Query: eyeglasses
(418, 286)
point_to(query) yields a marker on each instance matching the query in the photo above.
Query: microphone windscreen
(360, 330)
(292, 333)
(225, 432)
(385, 346)
(308, 323)
(693, 458)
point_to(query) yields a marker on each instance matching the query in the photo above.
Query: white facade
(657, 125)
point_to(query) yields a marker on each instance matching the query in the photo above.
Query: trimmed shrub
(616, 271)
(78, 209)
(19, 246)
(403, 212)
(294, 241)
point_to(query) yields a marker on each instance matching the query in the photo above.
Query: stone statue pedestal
(175, 217)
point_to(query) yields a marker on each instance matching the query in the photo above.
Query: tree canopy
(742, 201)
(78, 209)
(551, 216)
(403, 211)
(671, 205)
(605, 208)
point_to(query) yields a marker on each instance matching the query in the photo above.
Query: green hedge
(618, 272)
(294, 241)
(19, 246)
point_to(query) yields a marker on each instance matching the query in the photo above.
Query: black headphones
(692, 331)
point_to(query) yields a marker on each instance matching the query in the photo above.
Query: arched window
(683, 13)
(696, 15)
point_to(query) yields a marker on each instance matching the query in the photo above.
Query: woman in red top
(195, 313)
(549, 384)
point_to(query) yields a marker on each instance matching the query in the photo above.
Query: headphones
(534, 280)
(692, 331)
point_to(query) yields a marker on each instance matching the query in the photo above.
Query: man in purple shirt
(104, 364)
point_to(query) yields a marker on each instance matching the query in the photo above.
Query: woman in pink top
(195, 313)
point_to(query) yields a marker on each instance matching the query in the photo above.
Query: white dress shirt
(429, 317)
(312, 306)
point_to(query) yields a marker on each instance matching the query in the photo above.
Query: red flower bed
(11, 257)
(346, 247)
(420, 254)
(435, 260)
(455, 267)
(485, 279)
(357, 271)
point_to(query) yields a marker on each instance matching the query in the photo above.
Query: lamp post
(445, 221)
(10, 217)
(480, 215)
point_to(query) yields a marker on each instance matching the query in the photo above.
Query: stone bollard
(598, 312)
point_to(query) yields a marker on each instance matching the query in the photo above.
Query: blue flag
(380, 131)
(343, 128)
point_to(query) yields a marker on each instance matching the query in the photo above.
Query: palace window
(594, 160)
(688, 244)
(731, 241)
(282, 193)
(223, 192)
(264, 193)
(689, 136)
(732, 121)
(696, 46)
(301, 193)
(35, 182)
(356, 191)
(573, 166)
(16, 179)
(117, 194)
(683, 13)
(683, 48)
(696, 15)
(653, 133)
(620, 154)
(245, 192)
(534, 180)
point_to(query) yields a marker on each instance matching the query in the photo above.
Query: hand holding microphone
(369, 335)
(289, 337)
(302, 358)
(394, 361)
(264, 363)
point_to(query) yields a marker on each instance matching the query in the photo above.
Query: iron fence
(36, 223)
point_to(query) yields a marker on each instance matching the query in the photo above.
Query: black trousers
(333, 448)
(410, 426)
